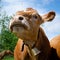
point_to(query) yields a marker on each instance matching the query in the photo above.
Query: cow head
(25, 24)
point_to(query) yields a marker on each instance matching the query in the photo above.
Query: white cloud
(10, 1)
(15, 5)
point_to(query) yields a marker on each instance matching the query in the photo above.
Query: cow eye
(34, 16)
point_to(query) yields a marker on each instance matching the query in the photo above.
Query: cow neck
(33, 44)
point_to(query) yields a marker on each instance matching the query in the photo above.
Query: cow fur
(55, 44)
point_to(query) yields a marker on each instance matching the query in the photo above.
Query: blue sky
(42, 6)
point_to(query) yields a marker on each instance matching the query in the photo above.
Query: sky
(52, 28)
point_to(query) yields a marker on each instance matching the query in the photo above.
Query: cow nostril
(20, 18)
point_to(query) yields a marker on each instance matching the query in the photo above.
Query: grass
(8, 58)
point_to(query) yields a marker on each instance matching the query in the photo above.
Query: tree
(7, 39)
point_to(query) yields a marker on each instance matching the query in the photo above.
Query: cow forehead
(28, 12)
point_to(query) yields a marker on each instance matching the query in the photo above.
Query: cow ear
(49, 17)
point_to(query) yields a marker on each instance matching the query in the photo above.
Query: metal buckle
(35, 51)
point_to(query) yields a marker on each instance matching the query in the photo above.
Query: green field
(8, 58)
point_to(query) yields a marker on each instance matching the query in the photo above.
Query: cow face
(25, 24)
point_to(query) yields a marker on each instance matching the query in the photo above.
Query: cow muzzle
(19, 23)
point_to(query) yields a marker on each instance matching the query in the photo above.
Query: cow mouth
(18, 25)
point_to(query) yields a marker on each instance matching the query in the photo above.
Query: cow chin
(18, 31)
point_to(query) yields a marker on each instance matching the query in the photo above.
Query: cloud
(10, 1)
(15, 5)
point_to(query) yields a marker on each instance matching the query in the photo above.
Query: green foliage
(7, 39)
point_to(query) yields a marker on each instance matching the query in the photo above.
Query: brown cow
(33, 43)
(55, 44)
